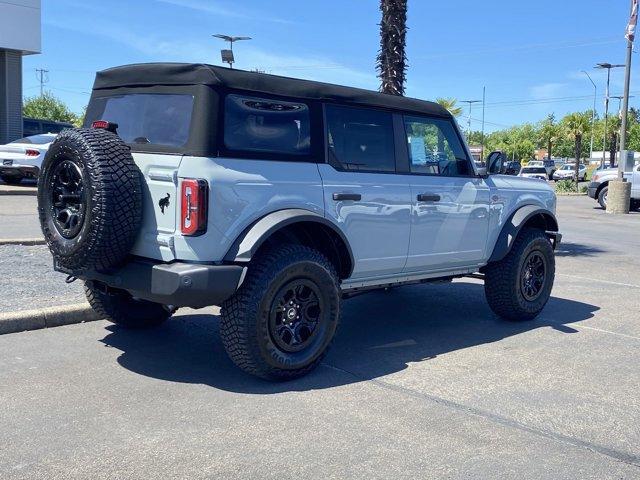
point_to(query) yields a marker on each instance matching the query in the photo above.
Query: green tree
(392, 59)
(548, 133)
(48, 107)
(575, 126)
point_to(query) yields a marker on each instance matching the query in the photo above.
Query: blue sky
(528, 54)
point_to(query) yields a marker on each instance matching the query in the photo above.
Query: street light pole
(470, 102)
(227, 55)
(593, 112)
(484, 98)
(608, 67)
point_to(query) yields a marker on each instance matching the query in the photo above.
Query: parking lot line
(578, 277)
(578, 327)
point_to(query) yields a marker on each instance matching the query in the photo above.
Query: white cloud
(248, 57)
(214, 8)
(547, 90)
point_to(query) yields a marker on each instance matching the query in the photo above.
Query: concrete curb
(12, 322)
(22, 241)
(19, 191)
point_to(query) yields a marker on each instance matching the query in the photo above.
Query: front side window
(145, 118)
(267, 126)
(435, 148)
(360, 139)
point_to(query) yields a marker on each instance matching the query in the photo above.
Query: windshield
(534, 170)
(568, 167)
(144, 118)
(36, 139)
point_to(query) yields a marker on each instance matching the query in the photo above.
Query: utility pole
(631, 30)
(470, 102)
(593, 113)
(43, 77)
(484, 98)
(608, 67)
(227, 55)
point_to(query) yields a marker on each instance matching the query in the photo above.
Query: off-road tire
(119, 307)
(602, 196)
(244, 327)
(11, 179)
(502, 279)
(111, 194)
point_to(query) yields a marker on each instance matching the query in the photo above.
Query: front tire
(518, 286)
(281, 322)
(602, 197)
(119, 307)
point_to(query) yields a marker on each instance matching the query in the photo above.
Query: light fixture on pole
(470, 102)
(607, 67)
(227, 54)
(593, 113)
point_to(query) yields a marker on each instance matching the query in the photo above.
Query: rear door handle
(347, 196)
(428, 197)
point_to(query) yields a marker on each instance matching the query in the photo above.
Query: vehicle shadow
(381, 333)
(569, 249)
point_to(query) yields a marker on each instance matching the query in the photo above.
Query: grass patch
(566, 186)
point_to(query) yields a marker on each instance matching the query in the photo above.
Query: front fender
(519, 219)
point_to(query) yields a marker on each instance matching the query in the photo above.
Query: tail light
(104, 125)
(195, 200)
(31, 153)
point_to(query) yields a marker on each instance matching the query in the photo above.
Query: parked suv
(277, 198)
(599, 186)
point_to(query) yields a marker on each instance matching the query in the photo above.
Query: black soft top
(151, 74)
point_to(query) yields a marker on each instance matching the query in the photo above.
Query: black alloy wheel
(532, 277)
(68, 200)
(294, 316)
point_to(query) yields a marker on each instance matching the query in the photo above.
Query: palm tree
(576, 124)
(450, 105)
(392, 59)
(549, 133)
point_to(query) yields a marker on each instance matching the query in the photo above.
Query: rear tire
(119, 307)
(602, 197)
(11, 180)
(281, 322)
(518, 286)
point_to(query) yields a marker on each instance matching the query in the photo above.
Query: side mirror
(496, 162)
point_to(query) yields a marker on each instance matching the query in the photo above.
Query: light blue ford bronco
(277, 198)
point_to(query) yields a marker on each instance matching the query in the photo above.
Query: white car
(538, 172)
(22, 158)
(568, 172)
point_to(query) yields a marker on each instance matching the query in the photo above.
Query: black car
(512, 168)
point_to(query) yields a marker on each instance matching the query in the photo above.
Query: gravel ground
(28, 280)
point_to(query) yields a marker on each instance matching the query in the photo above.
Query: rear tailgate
(160, 205)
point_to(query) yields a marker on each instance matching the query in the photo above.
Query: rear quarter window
(267, 126)
(147, 118)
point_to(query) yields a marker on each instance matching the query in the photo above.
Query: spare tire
(89, 200)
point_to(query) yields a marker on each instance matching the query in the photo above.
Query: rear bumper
(28, 171)
(178, 284)
(592, 189)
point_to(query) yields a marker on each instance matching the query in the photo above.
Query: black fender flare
(515, 223)
(249, 241)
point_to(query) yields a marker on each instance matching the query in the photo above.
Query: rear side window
(147, 118)
(267, 126)
(360, 139)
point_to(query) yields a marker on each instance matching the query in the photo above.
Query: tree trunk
(578, 153)
(549, 149)
(391, 60)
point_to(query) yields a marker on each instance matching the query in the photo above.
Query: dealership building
(19, 36)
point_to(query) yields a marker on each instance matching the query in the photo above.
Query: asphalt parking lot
(422, 382)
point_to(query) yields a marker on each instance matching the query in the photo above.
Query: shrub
(565, 186)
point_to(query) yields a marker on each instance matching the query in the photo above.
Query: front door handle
(428, 197)
(347, 196)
